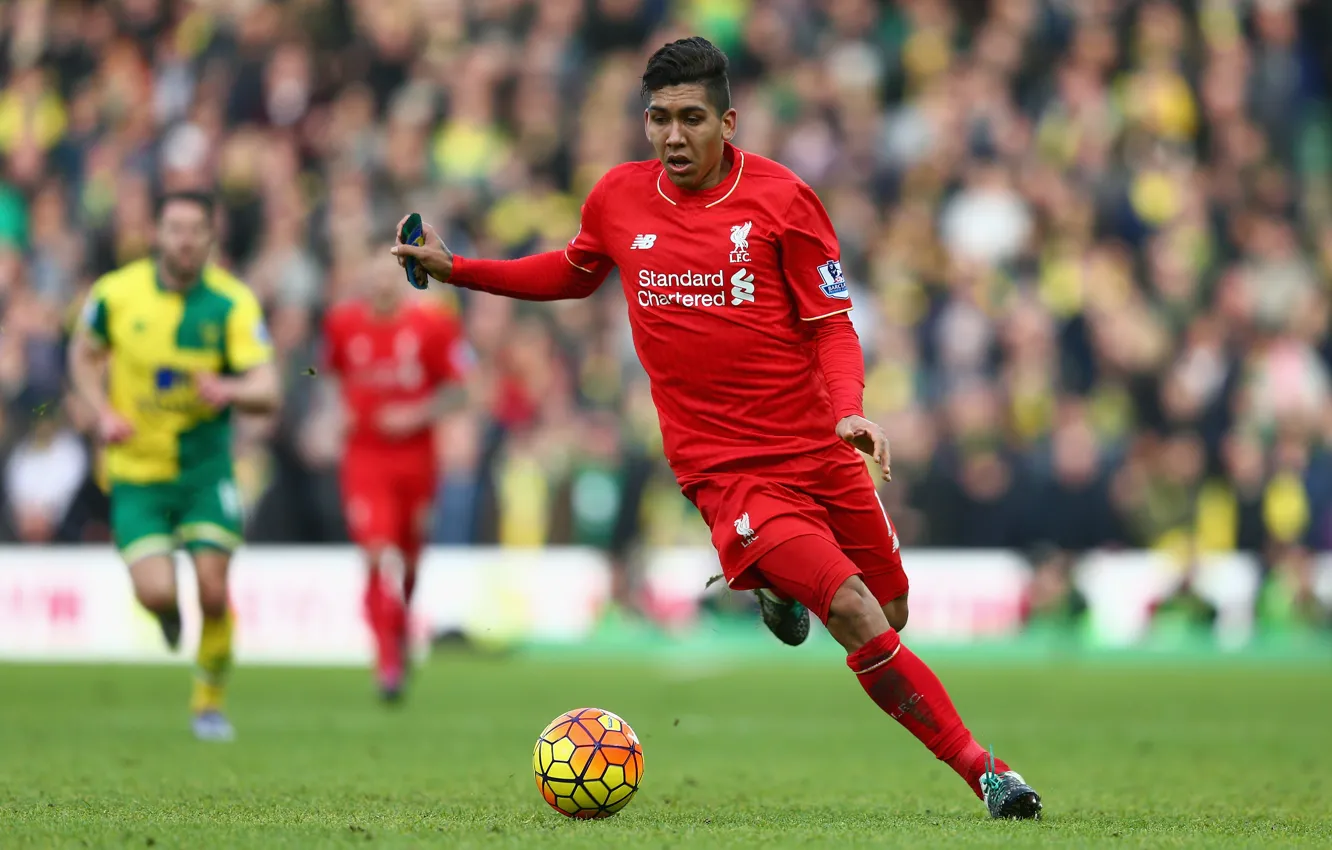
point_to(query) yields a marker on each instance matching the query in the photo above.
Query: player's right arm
(333, 364)
(575, 272)
(89, 351)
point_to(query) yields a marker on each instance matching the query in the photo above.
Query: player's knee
(897, 613)
(854, 616)
(210, 569)
(213, 597)
(155, 596)
(377, 553)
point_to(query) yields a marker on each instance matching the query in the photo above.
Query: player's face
(385, 289)
(688, 134)
(184, 238)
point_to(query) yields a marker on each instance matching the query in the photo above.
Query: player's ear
(728, 124)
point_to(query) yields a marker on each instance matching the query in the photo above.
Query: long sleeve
(842, 364)
(541, 277)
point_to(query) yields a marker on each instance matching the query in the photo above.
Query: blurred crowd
(1090, 242)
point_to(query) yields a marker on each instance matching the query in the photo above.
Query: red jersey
(401, 358)
(722, 286)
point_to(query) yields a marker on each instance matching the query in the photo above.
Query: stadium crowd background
(1090, 242)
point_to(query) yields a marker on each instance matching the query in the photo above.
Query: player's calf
(908, 691)
(386, 614)
(212, 666)
(212, 597)
(154, 580)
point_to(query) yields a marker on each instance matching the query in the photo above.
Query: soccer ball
(588, 763)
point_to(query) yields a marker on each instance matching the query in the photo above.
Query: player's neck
(720, 173)
(384, 308)
(715, 177)
(171, 281)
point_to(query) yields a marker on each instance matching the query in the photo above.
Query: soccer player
(396, 360)
(165, 350)
(738, 306)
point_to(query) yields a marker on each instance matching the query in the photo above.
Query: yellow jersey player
(166, 348)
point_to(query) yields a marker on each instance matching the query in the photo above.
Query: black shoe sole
(1026, 806)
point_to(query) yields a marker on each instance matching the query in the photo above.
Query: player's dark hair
(690, 60)
(190, 196)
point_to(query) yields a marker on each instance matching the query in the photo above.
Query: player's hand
(113, 428)
(434, 258)
(869, 438)
(399, 420)
(215, 391)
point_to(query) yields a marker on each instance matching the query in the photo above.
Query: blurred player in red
(395, 356)
(738, 307)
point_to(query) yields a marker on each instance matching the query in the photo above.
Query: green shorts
(155, 519)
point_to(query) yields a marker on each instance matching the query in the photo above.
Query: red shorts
(387, 499)
(830, 496)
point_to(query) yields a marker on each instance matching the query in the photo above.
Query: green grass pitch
(757, 755)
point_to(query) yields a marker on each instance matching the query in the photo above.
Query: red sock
(392, 642)
(408, 583)
(904, 687)
(371, 600)
(384, 614)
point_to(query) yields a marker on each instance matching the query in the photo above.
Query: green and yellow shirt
(159, 339)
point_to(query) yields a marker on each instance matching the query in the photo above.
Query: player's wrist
(457, 269)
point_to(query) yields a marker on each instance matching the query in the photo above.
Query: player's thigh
(370, 506)
(212, 567)
(154, 580)
(752, 516)
(809, 568)
(211, 528)
(415, 496)
(864, 531)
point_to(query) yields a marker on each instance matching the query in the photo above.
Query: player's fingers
(397, 231)
(400, 250)
(433, 239)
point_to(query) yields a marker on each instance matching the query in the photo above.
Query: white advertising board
(955, 595)
(303, 604)
(292, 604)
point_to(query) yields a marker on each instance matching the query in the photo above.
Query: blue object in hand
(413, 233)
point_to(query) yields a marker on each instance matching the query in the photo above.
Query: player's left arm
(812, 268)
(254, 385)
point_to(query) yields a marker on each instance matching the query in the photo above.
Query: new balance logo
(643, 241)
(742, 288)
